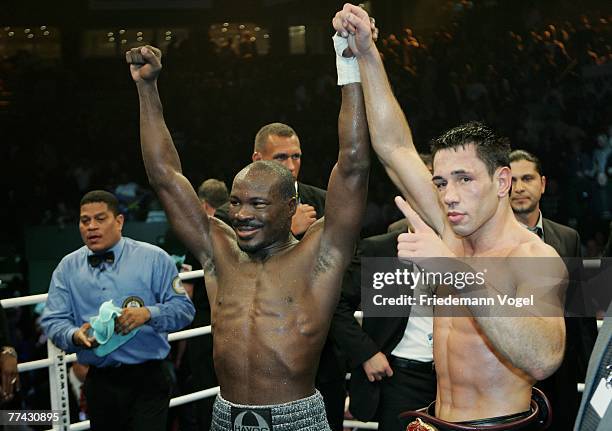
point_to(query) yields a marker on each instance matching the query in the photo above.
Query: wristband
(347, 68)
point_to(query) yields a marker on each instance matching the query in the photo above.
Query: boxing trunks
(538, 417)
(306, 414)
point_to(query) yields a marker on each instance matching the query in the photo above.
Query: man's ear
(543, 184)
(208, 209)
(503, 177)
(120, 220)
(293, 206)
(256, 156)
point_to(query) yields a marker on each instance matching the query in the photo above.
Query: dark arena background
(539, 72)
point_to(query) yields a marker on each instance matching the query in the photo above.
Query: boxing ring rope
(58, 379)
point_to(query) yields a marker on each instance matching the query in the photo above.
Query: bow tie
(96, 259)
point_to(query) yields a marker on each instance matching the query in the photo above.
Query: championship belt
(419, 425)
(538, 418)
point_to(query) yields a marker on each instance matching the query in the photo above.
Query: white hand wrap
(347, 68)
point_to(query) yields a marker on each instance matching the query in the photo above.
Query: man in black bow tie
(96, 259)
(143, 280)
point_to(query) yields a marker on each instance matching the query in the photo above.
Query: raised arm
(389, 131)
(348, 183)
(161, 160)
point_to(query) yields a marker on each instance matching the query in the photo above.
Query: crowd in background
(67, 130)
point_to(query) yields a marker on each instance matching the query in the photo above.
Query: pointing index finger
(414, 219)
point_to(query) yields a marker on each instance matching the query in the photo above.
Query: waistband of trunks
(306, 414)
(314, 398)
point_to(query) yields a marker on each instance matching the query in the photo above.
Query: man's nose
(518, 186)
(450, 195)
(290, 164)
(244, 213)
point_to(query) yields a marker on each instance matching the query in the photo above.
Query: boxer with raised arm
(271, 296)
(485, 366)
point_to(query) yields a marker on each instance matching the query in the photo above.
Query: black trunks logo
(132, 302)
(251, 419)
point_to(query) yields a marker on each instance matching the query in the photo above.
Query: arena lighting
(123, 41)
(27, 30)
(266, 36)
(43, 27)
(11, 33)
(111, 39)
(224, 29)
(139, 33)
(7, 28)
(257, 28)
(168, 33)
(226, 24)
(46, 33)
(30, 36)
(241, 26)
(139, 39)
(110, 34)
(121, 31)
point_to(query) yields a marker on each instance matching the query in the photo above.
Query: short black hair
(277, 129)
(214, 192)
(518, 155)
(492, 149)
(285, 184)
(96, 196)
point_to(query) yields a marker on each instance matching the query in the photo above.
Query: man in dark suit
(278, 142)
(391, 361)
(599, 419)
(528, 185)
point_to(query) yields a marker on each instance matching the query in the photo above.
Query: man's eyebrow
(437, 178)
(87, 216)
(460, 172)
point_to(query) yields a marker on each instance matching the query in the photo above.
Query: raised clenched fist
(145, 63)
(354, 23)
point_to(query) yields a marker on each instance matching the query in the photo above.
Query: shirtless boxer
(271, 296)
(485, 366)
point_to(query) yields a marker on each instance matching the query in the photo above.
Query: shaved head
(284, 182)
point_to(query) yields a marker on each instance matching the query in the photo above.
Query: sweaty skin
(485, 365)
(271, 297)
